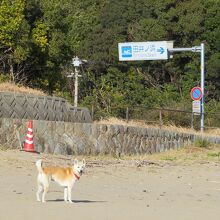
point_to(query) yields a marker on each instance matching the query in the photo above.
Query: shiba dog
(65, 176)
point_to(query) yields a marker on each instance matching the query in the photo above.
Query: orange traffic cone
(29, 143)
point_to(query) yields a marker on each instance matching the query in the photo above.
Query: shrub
(200, 142)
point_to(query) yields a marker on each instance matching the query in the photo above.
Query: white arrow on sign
(151, 50)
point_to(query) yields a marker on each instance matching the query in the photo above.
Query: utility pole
(76, 63)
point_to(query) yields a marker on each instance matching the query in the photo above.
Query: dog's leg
(39, 191)
(65, 194)
(44, 192)
(45, 183)
(69, 194)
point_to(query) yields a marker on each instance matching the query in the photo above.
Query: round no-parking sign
(196, 93)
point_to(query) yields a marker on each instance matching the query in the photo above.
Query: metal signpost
(196, 95)
(198, 49)
(162, 50)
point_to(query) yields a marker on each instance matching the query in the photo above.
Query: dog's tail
(39, 166)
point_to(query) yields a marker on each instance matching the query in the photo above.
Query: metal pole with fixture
(76, 63)
(201, 50)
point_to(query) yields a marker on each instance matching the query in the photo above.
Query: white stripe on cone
(30, 129)
(30, 135)
(29, 142)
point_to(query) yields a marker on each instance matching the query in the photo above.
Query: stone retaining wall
(93, 139)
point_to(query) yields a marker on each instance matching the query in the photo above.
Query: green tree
(39, 38)
(14, 48)
(211, 35)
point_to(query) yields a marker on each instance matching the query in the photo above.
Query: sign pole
(160, 50)
(200, 49)
(202, 85)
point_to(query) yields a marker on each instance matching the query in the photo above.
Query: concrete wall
(90, 138)
(48, 108)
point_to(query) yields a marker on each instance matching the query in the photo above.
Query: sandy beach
(113, 190)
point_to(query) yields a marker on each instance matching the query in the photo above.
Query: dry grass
(185, 156)
(213, 132)
(9, 87)
(142, 124)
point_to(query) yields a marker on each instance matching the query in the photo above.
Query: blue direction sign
(196, 93)
(151, 50)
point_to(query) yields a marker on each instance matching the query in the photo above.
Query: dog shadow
(77, 201)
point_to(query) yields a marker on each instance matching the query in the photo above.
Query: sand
(113, 190)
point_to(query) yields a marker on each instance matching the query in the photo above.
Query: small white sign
(196, 106)
(151, 50)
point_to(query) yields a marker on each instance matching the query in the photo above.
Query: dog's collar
(77, 176)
